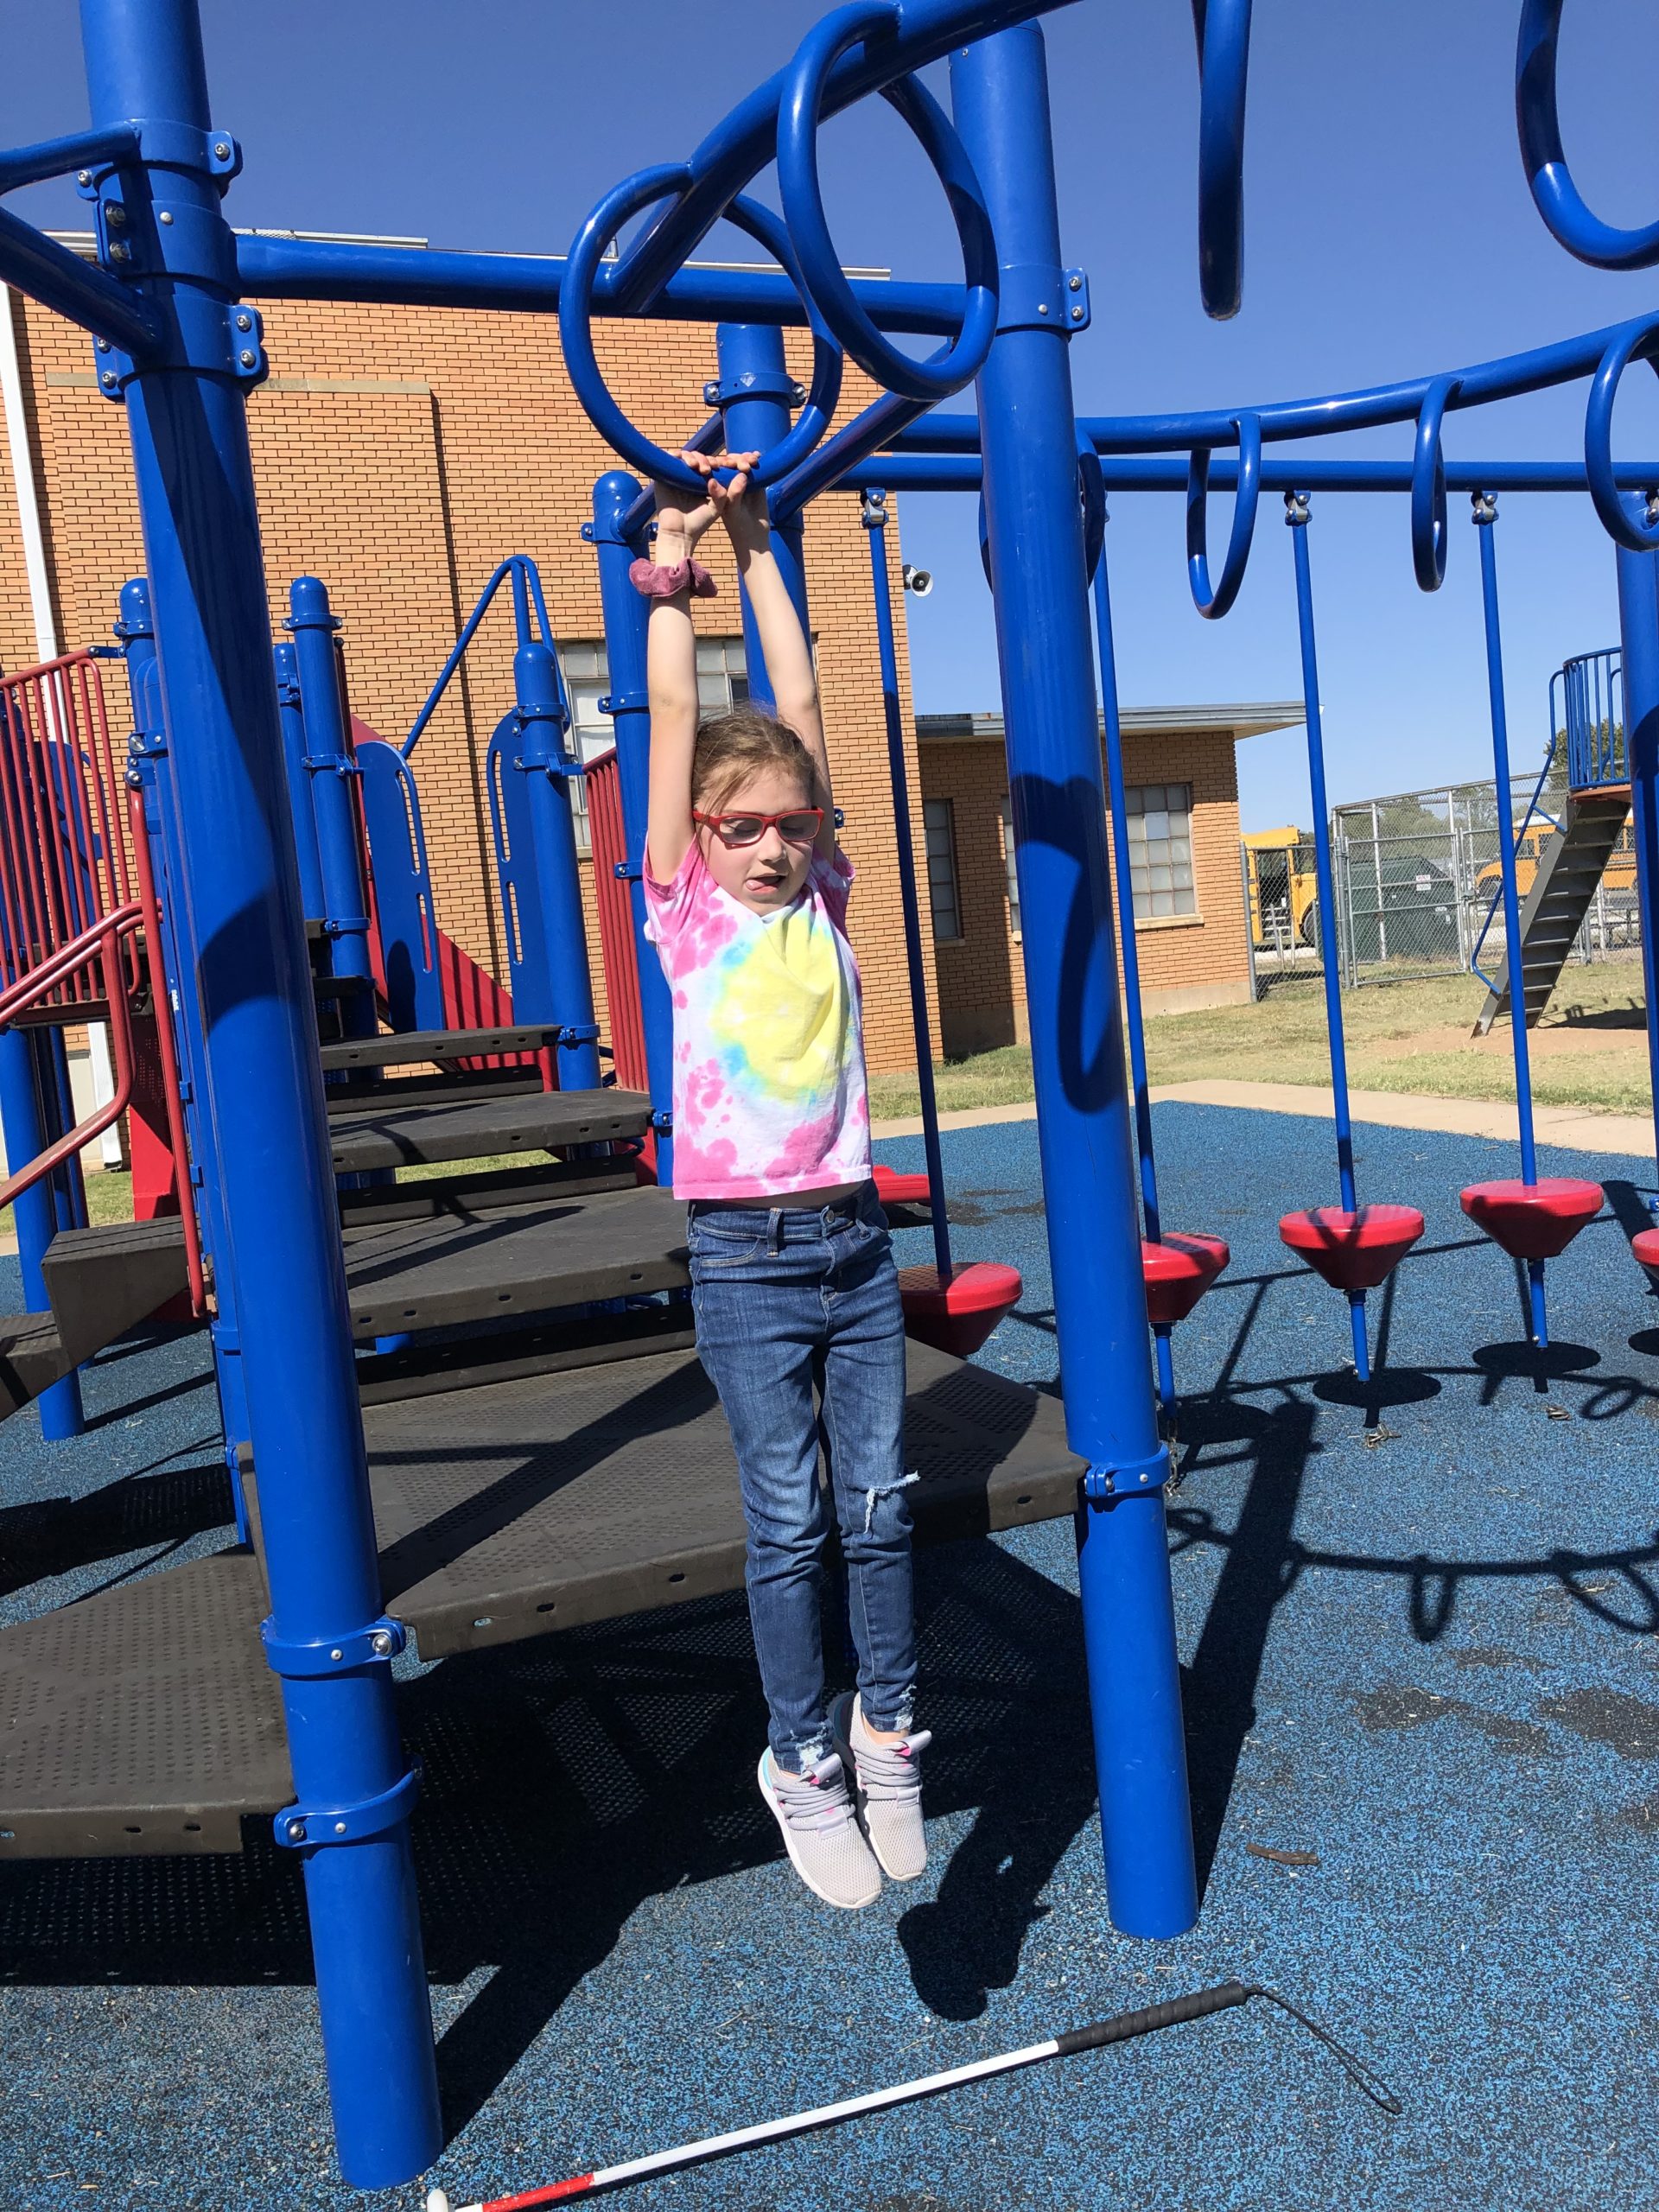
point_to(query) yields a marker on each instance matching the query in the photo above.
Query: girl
(792, 1281)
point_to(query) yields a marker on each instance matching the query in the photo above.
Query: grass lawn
(1590, 1050)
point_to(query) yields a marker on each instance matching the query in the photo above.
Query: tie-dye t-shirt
(769, 1093)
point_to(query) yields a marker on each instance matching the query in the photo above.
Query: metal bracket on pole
(298, 1827)
(1127, 1478)
(628, 871)
(624, 702)
(1033, 296)
(344, 925)
(754, 384)
(235, 335)
(312, 1658)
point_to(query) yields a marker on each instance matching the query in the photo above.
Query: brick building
(1182, 791)
(400, 453)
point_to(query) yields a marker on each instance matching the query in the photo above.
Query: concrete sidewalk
(1570, 1127)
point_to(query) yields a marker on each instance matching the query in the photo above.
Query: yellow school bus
(1283, 887)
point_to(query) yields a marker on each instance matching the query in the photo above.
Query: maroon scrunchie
(655, 580)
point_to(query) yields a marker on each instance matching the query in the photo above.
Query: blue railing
(1592, 715)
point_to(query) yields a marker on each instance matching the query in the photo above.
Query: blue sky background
(1389, 232)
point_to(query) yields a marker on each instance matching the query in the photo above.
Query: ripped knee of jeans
(877, 1491)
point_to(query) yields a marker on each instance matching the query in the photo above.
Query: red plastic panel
(1178, 1273)
(958, 1316)
(1352, 1251)
(616, 939)
(1533, 1221)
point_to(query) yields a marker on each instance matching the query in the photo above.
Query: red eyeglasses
(799, 826)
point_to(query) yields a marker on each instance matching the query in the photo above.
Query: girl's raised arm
(671, 676)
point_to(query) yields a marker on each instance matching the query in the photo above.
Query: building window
(1160, 850)
(1011, 871)
(942, 868)
(723, 683)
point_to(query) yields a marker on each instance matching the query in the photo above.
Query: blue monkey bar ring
(1223, 30)
(1567, 217)
(1212, 605)
(576, 331)
(1623, 517)
(1428, 539)
(798, 111)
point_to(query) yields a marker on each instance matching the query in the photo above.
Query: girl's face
(768, 875)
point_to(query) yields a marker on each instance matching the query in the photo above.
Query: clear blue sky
(1389, 232)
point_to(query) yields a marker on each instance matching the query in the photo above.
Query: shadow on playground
(569, 1780)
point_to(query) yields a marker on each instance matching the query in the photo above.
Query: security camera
(919, 581)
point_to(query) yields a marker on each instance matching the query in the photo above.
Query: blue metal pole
(1297, 515)
(1001, 99)
(1130, 954)
(69, 1182)
(186, 415)
(285, 662)
(629, 705)
(754, 392)
(148, 763)
(328, 768)
(874, 514)
(544, 719)
(29, 1128)
(1638, 629)
(1484, 516)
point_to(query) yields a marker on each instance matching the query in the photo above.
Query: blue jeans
(800, 1329)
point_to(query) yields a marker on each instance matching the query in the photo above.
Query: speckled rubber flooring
(1419, 1638)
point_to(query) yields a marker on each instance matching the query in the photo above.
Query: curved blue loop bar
(826, 287)
(1428, 538)
(1223, 32)
(1622, 518)
(1212, 605)
(576, 331)
(1555, 195)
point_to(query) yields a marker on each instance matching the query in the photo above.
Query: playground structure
(253, 799)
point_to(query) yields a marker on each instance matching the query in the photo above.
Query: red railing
(615, 904)
(77, 888)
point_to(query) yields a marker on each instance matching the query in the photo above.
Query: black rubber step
(471, 1129)
(523, 1506)
(103, 1281)
(484, 1190)
(422, 1047)
(143, 1719)
(514, 1260)
(32, 1358)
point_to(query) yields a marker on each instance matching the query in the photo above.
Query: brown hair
(730, 747)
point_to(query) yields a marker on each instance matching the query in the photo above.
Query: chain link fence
(1416, 878)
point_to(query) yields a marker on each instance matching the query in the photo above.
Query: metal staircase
(1584, 834)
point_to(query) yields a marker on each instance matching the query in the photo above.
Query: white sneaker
(887, 1792)
(823, 1838)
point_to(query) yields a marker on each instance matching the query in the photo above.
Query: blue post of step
(755, 393)
(147, 762)
(69, 1182)
(1001, 96)
(240, 886)
(544, 719)
(29, 1113)
(1638, 631)
(1298, 511)
(1484, 517)
(330, 769)
(1130, 951)
(873, 514)
(285, 662)
(628, 704)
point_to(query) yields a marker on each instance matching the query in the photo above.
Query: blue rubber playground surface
(1417, 1631)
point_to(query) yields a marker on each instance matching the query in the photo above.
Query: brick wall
(402, 452)
(1187, 961)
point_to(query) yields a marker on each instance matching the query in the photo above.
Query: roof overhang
(1246, 719)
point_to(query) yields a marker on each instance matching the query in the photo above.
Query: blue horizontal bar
(388, 276)
(118, 142)
(941, 472)
(741, 145)
(852, 445)
(61, 280)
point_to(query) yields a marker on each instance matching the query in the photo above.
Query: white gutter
(22, 448)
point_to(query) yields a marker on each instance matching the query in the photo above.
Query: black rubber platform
(143, 1719)
(103, 1281)
(562, 1498)
(422, 1047)
(32, 1358)
(471, 1129)
(511, 1260)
